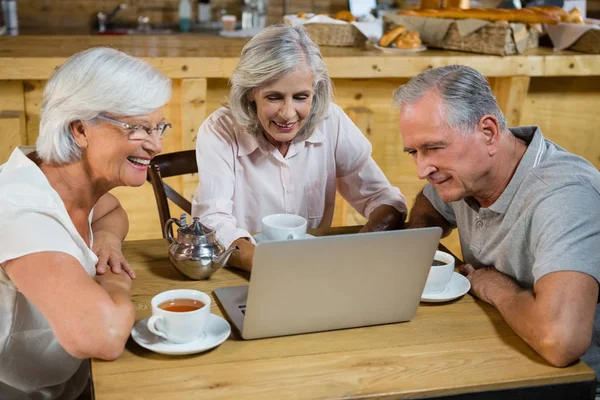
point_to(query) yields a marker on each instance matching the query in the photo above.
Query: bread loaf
(408, 40)
(489, 14)
(391, 35)
(345, 15)
(575, 16)
(554, 10)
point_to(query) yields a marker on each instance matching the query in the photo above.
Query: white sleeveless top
(33, 218)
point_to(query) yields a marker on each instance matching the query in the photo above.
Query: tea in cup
(179, 315)
(283, 226)
(440, 273)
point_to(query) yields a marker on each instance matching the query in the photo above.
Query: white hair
(274, 52)
(465, 92)
(92, 82)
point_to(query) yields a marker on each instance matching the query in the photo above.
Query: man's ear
(78, 131)
(488, 125)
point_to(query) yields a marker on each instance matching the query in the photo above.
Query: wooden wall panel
(12, 117)
(566, 111)
(34, 91)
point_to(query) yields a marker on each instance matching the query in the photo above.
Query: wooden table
(461, 349)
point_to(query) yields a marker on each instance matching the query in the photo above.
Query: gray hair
(274, 52)
(465, 92)
(92, 82)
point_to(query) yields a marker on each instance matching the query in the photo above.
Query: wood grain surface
(450, 348)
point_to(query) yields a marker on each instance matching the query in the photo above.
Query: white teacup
(439, 275)
(179, 315)
(283, 226)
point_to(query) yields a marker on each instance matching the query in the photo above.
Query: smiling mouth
(285, 126)
(438, 182)
(140, 162)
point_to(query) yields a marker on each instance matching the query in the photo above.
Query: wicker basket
(345, 35)
(588, 43)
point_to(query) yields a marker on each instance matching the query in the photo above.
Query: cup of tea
(179, 315)
(284, 226)
(440, 273)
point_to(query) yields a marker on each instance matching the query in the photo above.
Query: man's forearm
(424, 215)
(532, 321)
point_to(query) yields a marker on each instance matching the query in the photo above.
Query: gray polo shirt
(547, 219)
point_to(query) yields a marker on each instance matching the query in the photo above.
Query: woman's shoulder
(221, 123)
(335, 121)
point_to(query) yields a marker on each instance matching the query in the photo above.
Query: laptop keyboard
(242, 308)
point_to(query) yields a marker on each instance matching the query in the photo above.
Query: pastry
(408, 40)
(391, 35)
(575, 16)
(344, 15)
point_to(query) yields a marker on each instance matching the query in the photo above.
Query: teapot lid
(195, 228)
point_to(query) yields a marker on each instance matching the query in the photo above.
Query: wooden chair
(164, 166)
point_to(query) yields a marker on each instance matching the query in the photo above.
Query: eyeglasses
(139, 132)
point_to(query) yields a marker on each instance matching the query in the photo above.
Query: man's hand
(485, 280)
(107, 247)
(384, 218)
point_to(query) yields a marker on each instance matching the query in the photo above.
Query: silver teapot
(196, 252)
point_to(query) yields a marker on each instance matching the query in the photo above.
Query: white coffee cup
(283, 226)
(439, 275)
(179, 326)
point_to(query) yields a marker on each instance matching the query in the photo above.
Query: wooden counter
(202, 56)
(559, 91)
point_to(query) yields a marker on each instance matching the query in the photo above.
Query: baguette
(554, 10)
(391, 35)
(489, 14)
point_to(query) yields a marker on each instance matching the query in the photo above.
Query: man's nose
(424, 168)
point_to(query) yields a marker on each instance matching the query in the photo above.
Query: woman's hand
(384, 218)
(243, 257)
(107, 247)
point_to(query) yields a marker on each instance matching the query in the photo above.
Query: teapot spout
(219, 262)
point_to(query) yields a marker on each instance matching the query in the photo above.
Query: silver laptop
(332, 282)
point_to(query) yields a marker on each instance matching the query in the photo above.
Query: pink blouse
(243, 179)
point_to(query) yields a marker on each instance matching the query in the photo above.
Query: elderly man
(527, 211)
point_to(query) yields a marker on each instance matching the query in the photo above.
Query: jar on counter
(228, 22)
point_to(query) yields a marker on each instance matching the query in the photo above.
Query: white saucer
(458, 286)
(217, 331)
(400, 51)
(259, 237)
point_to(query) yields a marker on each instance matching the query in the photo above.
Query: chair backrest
(164, 166)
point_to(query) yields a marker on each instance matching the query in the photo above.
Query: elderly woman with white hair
(282, 146)
(64, 284)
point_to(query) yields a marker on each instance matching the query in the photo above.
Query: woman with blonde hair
(282, 146)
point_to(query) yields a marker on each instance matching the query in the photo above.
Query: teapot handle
(168, 224)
